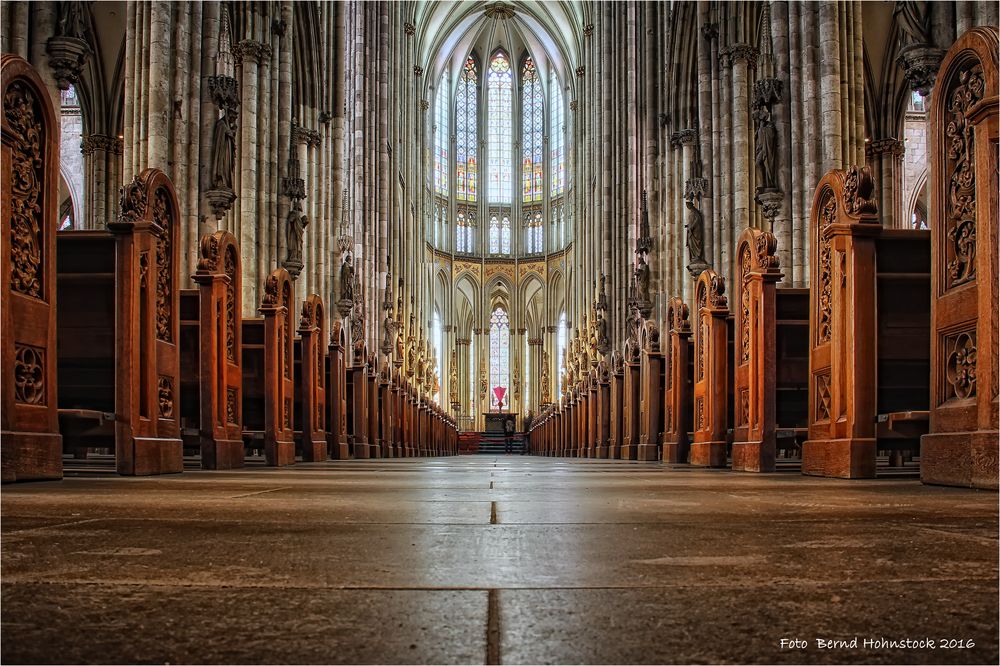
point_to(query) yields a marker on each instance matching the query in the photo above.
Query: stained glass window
(441, 137)
(500, 83)
(500, 234)
(533, 231)
(531, 133)
(560, 352)
(557, 161)
(466, 141)
(499, 355)
(437, 339)
(463, 231)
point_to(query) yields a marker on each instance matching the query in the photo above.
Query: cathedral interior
(519, 331)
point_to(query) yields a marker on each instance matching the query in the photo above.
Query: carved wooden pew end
(710, 371)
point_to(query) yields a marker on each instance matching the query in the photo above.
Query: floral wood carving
(232, 406)
(286, 343)
(229, 266)
(745, 299)
(828, 212)
(132, 202)
(163, 217)
(26, 178)
(29, 374)
(859, 191)
(165, 390)
(960, 172)
(961, 365)
(270, 297)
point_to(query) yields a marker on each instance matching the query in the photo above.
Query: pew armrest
(86, 423)
(903, 425)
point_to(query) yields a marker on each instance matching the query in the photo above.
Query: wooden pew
(961, 448)
(631, 399)
(869, 326)
(357, 404)
(268, 381)
(371, 385)
(651, 393)
(386, 409)
(677, 403)
(29, 425)
(311, 398)
(211, 360)
(85, 284)
(617, 406)
(603, 408)
(119, 365)
(336, 382)
(711, 413)
(771, 358)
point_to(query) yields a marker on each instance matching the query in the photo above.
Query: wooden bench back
(32, 447)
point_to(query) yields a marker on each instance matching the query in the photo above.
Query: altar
(495, 421)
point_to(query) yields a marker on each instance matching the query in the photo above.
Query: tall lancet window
(560, 352)
(557, 157)
(531, 133)
(466, 136)
(500, 86)
(499, 355)
(441, 137)
(500, 234)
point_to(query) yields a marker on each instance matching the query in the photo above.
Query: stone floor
(503, 559)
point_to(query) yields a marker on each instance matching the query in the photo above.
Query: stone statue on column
(642, 281)
(68, 50)
(766, 92)
(694, 190)
(347, 280)
(224, 150)
(295, 226)
(766, 148)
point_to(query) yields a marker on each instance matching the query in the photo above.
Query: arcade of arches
(712, 236)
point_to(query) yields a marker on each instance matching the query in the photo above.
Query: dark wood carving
(603, 417)
(631, 401)
(371, 385)
(219, 367)
(279, 385)
(357, 405)
(336, 433)
(617, 392)
(651, 392)
(677, 383)
(961, 448)
(386, 410)
(31, 444)
(754, 374)
(844, 224)
(710, 373)
(313, 387)
(147, 425)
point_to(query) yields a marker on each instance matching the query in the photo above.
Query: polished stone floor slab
(480, 558)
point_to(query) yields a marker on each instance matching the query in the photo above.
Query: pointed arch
(466, 130)
(499, 109)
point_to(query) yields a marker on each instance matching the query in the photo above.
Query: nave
(492, 559)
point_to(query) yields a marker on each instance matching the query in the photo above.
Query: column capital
(888, 145)
(94, 142)
(684, 137)
(249, 49)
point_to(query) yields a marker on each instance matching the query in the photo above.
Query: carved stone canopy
(920, 63)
